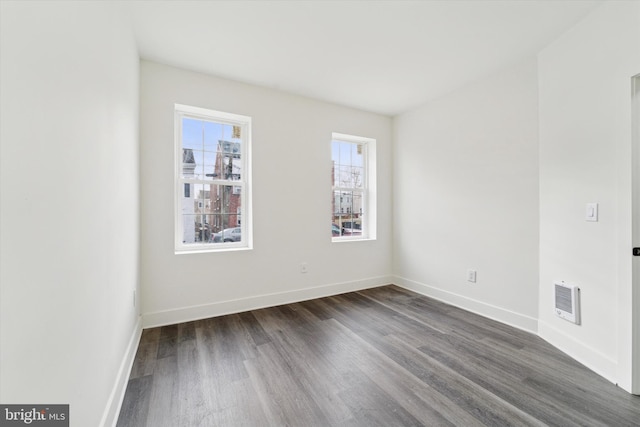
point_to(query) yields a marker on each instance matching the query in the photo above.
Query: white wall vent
(567, 301)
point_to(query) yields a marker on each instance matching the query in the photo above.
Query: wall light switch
(471, 276)
(592, 212)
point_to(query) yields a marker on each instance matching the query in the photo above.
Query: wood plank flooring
(379, 357)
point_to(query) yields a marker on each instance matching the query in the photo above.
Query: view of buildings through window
(211, 180)
(349, 184)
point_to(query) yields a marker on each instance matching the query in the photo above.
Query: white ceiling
(380, 56)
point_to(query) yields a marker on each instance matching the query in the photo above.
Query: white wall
(466, 197)
(585, 156)
(69, 209)
(292, 195)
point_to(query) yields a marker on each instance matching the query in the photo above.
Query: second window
(350, 187)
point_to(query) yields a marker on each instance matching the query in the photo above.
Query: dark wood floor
(380, 357)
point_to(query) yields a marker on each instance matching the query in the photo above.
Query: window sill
(212, 249)
(352, 239)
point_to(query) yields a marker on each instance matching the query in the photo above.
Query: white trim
(368, 190)
(351, 138)
(112, 409)
(206, 114)
(502, 315)
(346, 239)
(591, 358)
(227, 247)
(181, 111)
(635, 226)
(204, 311)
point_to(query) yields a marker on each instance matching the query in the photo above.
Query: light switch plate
(471, 276)
(592, 212)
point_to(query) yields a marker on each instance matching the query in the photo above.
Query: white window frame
(369, 191)
(186, 111)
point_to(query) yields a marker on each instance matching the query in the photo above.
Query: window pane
(226, 231)
(191, 133)
(202, 229)
(188, 226)
(335, 207)
(232, 167)
(232, 156)
(335, 152)
(357, 207)
(207, 172)
(346, 202)
(210, 210)
(231, 147)
(210, 150)
(213, 132)
(189, 162)
(344, 176)
(345, 153)
(348, 164)
(196, 229)
(347, 213)
(357, 177)
(357, 155)
(225, 205)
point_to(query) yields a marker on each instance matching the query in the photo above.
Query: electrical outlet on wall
(471, 276)
(304, 268)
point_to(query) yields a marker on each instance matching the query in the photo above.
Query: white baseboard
(112, 410)
(592, 359)
(589, 357)
(187, 314)
(511, 318)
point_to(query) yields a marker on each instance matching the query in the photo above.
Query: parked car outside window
(228, 235)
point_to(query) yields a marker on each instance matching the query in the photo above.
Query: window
(353, 186)
(212, 180)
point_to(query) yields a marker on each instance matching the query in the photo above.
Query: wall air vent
(567, 301)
